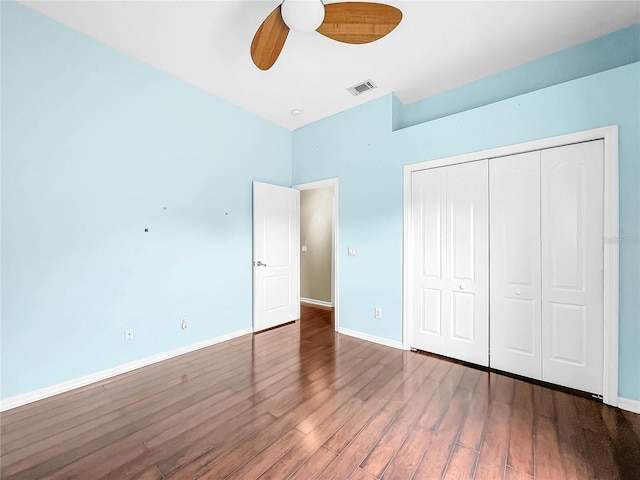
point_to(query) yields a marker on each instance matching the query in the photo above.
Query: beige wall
(315, 233)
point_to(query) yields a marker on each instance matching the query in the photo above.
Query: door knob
(461, 287)
(518, 292)
(260, 264)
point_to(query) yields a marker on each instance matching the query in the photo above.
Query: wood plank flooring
(302, 402)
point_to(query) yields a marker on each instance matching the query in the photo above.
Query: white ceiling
(438, 45)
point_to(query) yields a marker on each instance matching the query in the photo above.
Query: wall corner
(397, 113)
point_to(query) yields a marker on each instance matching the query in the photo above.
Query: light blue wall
(359, 147)
(604, 53)
(95, 145)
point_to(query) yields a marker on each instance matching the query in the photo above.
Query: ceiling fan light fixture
(303, 15)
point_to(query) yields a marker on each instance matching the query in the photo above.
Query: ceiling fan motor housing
(303, 15)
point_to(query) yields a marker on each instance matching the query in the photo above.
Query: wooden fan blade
(269, 40)
(358, 22)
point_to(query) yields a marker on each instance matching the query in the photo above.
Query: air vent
(362, 87)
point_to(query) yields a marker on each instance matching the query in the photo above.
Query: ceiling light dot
(295, 112)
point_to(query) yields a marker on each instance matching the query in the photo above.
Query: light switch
(304, 248)
(351, 252)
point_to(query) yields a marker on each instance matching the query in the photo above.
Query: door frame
(330, 182)
(611, 231)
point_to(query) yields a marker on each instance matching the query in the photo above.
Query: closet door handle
(518, 292)
(461, 287)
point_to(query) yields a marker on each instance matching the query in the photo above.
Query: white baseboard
(629, 404)
(320, 303)
(370, 338)
(42, 393)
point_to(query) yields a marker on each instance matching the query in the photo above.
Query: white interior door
(276, 234)
(515, 264)
(572, 265)
(449, 244)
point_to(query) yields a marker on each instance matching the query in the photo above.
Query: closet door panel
(515, 265)
(467, 251)
(572, 253)
(428, 203)
(449, 275)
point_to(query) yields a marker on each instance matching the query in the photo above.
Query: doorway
(318, 245)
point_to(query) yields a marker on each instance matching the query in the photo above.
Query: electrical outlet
(128, 334)
(377, 312)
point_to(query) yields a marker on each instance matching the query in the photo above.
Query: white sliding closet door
(449, 244)
(572, 265)
(468, 262)
(515, 264)
(428, 221)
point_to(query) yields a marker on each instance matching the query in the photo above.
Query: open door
(276, 269)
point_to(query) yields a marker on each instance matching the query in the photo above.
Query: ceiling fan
(347, 22)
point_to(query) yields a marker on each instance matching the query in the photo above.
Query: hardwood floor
(302, 402)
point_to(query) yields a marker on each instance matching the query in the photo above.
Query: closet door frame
(609, 135)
